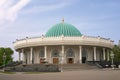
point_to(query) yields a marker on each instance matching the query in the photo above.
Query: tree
(1, 55)
(8, 52)
(116, 51)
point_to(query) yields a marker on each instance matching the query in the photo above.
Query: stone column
(28, 57)
(45, 50)
(19, 56)
(108, 56)
(23, 56)
(31, 55)
(95, 56)
(103, 53)
(80, 54)
(62, 55)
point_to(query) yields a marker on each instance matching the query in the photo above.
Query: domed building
(63, 44)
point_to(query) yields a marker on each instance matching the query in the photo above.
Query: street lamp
(112, 57)
(4, 59)
(61, 62)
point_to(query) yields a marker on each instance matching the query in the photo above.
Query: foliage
(116, 51)
(8, 52)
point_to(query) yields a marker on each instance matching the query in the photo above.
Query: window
(55, 53)
(41, 54)
(84, 52)
(70, 53)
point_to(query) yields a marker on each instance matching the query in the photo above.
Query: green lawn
(38, 72)
(26, 72)
(7, 72)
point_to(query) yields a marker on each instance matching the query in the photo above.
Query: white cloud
(9, 9)
(44, 8)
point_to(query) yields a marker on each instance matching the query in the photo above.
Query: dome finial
(63, 20)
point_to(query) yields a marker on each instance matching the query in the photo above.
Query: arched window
(41, 53)
(55, 53)
(70, 53)
(84, 52)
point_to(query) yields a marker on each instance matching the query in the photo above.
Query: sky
(32, 18)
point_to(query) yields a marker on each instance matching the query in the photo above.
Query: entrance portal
(84, 55)
(42, 61)
(70, 60)
(70, 55)
(83, 59)
(55, 60)
(55, 56)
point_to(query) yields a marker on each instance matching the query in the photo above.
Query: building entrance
(55, 56)
(70, 60)
(42, 61)
(83, 59)
(55, 60)
(84, 55)
(70, 55)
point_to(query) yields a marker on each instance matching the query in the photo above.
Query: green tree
(116, 51)
(8, 52)
(1, 55)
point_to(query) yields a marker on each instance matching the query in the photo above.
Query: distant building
(119, 44)
(63, 43)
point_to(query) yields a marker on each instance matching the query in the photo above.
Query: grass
(38, 72)
(7, 72)
(26, 72)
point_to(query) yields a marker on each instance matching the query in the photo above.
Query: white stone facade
(65, 50)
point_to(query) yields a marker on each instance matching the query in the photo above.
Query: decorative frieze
(84, 40)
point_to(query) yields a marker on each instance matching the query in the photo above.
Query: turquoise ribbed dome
(63, 29)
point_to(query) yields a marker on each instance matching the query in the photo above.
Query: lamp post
(4, 59)
(61, 62)
(112, 57)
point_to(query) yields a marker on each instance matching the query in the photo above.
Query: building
(119, 44)
(63, 43)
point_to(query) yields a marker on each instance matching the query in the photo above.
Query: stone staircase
(75, 67)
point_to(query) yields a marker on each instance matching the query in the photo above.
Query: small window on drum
(41, 54)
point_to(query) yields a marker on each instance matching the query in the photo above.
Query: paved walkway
(69, 75)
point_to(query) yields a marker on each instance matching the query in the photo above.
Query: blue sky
(21, 18)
